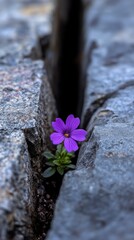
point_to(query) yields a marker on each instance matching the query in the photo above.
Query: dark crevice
(64, 55)
(67, 80)
(44, 43)
(44, 193)
(69, 60)
(64, 69)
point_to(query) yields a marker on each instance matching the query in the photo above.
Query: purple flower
(67, 133)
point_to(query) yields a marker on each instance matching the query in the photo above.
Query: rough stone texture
(15, 200)
(96, 200)
(26, 101)
(108, 51)
(21, 27)
(119, 108)
(27, 108)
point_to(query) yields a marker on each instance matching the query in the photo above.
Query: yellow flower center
(66, 135)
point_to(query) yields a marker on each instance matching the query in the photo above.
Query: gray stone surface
(21, 27)
(109, 46)
(119, 108)
(96, 200)
(26, 101)
(27, 108)
(16, 203)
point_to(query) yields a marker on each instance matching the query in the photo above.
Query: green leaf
(50, 164)
(66, 161)
(71, 154)
(60, 170)
(48, 155)
(59, 148)
(56, 162)
(49, 172)
(64, 151)
(72, 166)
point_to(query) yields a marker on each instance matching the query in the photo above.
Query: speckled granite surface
(15, 200)
(22, 24)
(27, 108)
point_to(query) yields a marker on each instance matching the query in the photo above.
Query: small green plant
(66, 136)
(59, 162)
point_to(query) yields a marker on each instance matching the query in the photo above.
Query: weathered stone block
(26, 101)
(21, 27)
(16, 201)
(118, 108)
(108, 58)
(27, 108)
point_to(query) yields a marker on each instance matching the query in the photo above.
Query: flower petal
(79, 135)
(58, 125)
(72, 122)
(56, 138)
(70, 145)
